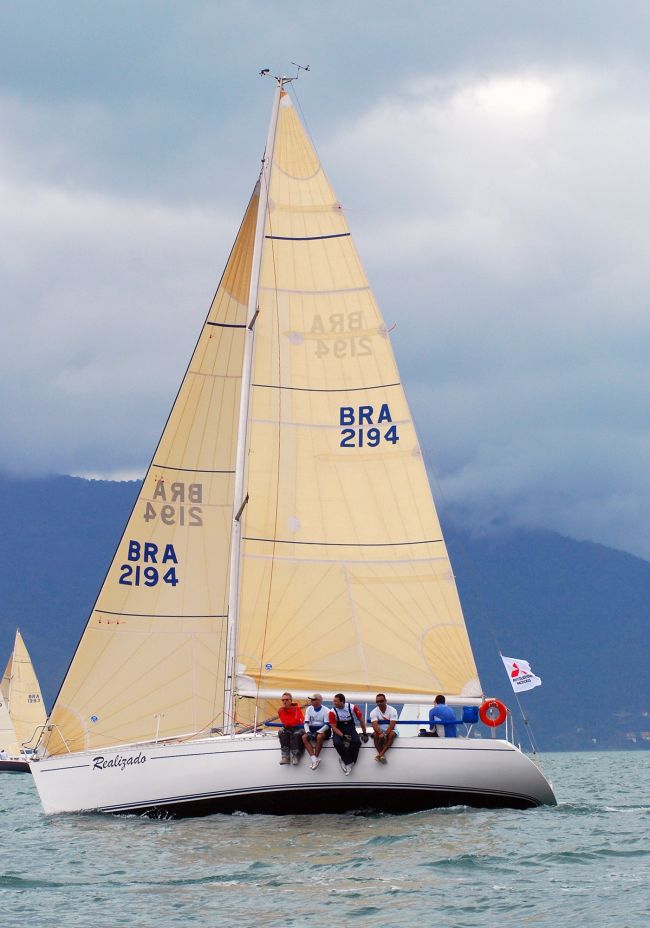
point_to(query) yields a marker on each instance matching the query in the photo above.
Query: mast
(240, 499)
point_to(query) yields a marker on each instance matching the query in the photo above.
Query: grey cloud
(511, 251)
(492, 160)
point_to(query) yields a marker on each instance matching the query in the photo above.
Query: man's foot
(343, 765)
(315, 761)
(382, 759)
(348, 769)
(295, 759)
(284, 759)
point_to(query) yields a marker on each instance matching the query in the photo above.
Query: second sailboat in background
(22, 712)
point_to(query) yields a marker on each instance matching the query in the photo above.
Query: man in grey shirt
(317, 728)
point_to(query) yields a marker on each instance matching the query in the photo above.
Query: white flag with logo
(521, 675)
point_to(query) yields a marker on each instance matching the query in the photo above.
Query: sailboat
(22, 712)
(284, 538)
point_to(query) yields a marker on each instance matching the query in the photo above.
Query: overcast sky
(493, 161)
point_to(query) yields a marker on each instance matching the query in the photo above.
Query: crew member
(317, 728)
(346, 737)
(383, 719)
(442, 719)
(290, 734)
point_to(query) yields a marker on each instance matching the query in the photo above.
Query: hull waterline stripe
(345, 544)
(306, 238)
(228, 325)
(275, 386)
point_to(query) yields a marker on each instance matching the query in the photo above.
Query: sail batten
(282, 386)
(192, 470)
(306, 238)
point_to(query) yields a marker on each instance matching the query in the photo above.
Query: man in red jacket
(290, 734)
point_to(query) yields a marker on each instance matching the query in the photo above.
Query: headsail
(150, 662)
(345, 578)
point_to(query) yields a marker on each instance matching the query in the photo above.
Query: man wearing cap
(317, 728)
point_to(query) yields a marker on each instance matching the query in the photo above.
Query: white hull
(243, 773)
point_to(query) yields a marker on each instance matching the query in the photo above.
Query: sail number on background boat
(361, 416)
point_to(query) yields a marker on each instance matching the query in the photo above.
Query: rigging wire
(440, 497)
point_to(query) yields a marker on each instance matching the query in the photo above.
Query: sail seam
(345, 544)
(307, 238)
(347, 560)
(213, 376)
(315, 292)
(276, 386)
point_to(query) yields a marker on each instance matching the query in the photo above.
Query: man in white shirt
(384, 720)
(317, 728)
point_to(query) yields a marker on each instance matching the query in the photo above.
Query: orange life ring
(487, 710)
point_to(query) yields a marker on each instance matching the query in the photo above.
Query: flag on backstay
(520, 673)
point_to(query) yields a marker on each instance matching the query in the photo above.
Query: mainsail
(345, 579)
(340, 577)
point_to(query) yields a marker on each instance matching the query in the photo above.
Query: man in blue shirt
(442, 718)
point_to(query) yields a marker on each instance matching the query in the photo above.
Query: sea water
(583, 863)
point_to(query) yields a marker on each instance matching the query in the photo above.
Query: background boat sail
(284, 537)
(22, 711)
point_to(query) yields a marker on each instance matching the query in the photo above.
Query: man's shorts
(384, 730)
